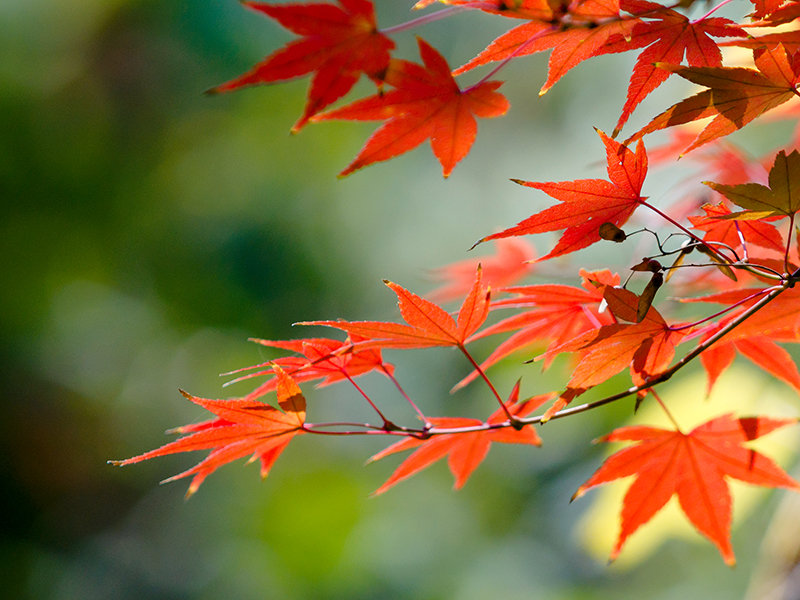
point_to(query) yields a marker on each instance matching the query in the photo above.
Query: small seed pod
(648, 264)
(686, 248)
(612, 233)
(649, 293)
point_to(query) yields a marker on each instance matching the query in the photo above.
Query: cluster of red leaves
(339, 43)
(742, 236)
(242, 428)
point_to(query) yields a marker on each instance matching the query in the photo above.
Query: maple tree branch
(764, 271)
(665, 375)
(723, 311)
(669, 219)
(709, 244)
(365, 429)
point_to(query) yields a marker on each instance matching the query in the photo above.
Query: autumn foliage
(728, 251)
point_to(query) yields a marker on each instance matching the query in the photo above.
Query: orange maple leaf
(736, 95)
(647, 347)
(425, 104)
(575, 31)
(587, 203)
(693, 466)
(242, 427)
(755, 338)
(465, 450)
(428, 325)
(667, 37)
(338, 45)
(719, 228)
(321, 358)
(558, 313)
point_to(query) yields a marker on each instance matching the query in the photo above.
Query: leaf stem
(480, 371)
(512, 56)
(712, 11)
(666, 410)
(387, 424)
(788, 243)
(393, 379)
(424, 20)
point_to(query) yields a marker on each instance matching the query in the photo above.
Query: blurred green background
(149, 230)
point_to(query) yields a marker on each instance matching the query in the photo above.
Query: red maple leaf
(760, 349)
(321, 358)
(736, 95)
(693, 466)
(425, 104)
(668, 37)
(766, 7)
(789, 39)
(719, 229)
(242, 427)
(465, 450)
(558, 313)
(575, 31)
(428, 325)
(756, 337)
(338, 45)
(775, 12)
(647, 347)
(779, 318)
(588, 203)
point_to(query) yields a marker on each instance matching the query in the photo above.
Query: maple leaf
(428, 325)
(779, 318)
(759, 349)
(558, 313)
(736, 95)
(693, 466)
(766, 7)
(321, 358)
(668, 37)
(756, 337)
(574, 36)
(647, 347)
(425, 104)
(339, 43)
(509, 264)
(789, 39)
(587, 203)
(780, 199)
(772, 13)
(465, 450)
(720, 229)
(242, 427)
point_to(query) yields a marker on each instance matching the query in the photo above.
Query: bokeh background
(149, 230)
